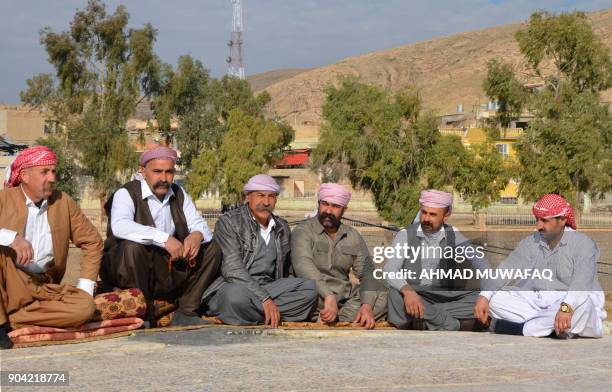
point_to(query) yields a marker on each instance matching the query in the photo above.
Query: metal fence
(514, 218)
(378, 234)
(381, 235)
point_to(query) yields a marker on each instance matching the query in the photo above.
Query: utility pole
(236, 59)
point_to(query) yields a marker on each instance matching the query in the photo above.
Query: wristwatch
(565, 308)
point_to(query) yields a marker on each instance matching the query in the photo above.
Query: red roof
(294, 158)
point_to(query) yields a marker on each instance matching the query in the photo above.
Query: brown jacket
(67, 222)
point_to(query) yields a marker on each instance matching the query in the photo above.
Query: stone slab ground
(235, 359)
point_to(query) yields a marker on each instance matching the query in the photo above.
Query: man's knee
(398, 321)
(81, 308)
(396, 312)
(235, 295)
(495, 306)
(133, 251)
(309, 288)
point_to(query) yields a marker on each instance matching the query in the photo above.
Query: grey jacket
(237, 233)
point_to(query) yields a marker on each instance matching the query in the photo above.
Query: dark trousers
(129, 264)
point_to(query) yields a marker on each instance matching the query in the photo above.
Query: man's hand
(563, 322)
(191, 245)
(23, 249)
(481, 310)
(365, 317)
(174, 247)
(271, 312)
(330, 309)
(413, 304)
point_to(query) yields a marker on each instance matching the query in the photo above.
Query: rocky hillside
(446, 70)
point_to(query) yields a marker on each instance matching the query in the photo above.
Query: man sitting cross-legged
(158, 242)
(426, 302)
(254, 287)
(326, 250)
(569, 302)
(37, 223)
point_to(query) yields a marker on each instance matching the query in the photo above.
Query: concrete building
(22, 125)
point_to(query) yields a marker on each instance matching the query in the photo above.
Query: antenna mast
(236, 59)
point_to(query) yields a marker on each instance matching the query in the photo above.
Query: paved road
(220, 359)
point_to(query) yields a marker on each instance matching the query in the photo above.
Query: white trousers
(538, 309)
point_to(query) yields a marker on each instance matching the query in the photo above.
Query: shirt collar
(30, 203)
(421, 234)
(147, 192)
(562, 242)
(318, 226)
(271, 224)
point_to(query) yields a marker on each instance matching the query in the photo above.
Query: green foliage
(502, 86)
(103, 69)
(249, 147)
(389, 147)
(67, 170)
(188, 94)
(201, 104)
(567, 40)
(567, 147)
(482, 176)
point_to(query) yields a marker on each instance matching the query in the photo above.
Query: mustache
(335, 221)
(261, 207)
(162, 184)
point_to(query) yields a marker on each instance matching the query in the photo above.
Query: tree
(201, 104)
(250, 146)
(188, 94)
(482, 176)
(566, 149)
(103, 70)
(568, 41)
(390, 147)
(502, 86)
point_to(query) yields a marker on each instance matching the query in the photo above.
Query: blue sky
(278, 33)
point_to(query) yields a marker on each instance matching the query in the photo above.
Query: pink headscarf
(553, 206)
(160, 152)
(335, 194)
(262, 182)
(30, 157)
(436, 199)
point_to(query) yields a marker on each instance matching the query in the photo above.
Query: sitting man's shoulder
(60, 197)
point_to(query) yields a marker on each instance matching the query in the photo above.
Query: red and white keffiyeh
(30, 157)
(553, 206)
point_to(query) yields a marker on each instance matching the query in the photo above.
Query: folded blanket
(93, 329)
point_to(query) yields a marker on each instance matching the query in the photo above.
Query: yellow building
(473, 136)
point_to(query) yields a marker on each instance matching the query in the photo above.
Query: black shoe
(508, 327)
(181, 319)
(418, 325)
(5, 341)
(472, 325)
